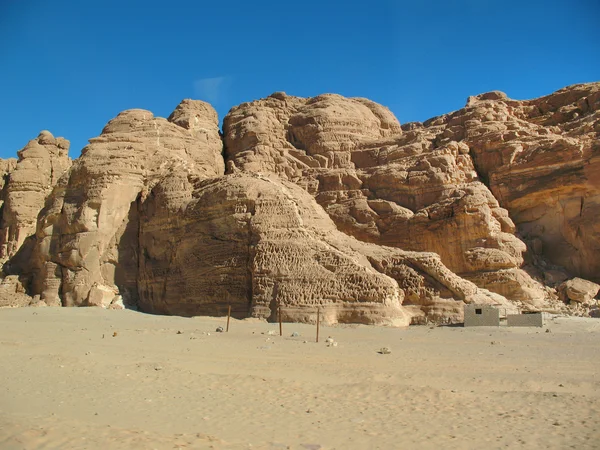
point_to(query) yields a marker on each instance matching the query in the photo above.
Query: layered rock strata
(85, 249)
(541, 159)
(403, 188)
(41, 163)
(327, 203)
(254, 242)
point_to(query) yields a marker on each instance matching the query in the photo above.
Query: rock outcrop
(325, 202)
(408, 189)
(251, 241)
(85, 249)
(541, 160)
(41, 163)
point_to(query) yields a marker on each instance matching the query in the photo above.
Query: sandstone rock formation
(85, 248)
(251, 241)
(541, 160)
(41, 163)
(12, 292)
(407, 189)
(326, 202)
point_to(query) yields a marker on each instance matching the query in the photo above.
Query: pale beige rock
(88, 233)
(6, 167)
(100, 295)
(41, 163)
(12, 292)
(579, 290)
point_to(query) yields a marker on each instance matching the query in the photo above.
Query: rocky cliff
(322, 202)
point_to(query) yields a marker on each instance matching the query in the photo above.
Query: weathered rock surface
(408, 189)
(251, 241)
(12, 292)
(541, 160)
(85, 249)
(579, 291)
(6, 167)
(41, 163)
(328, 202)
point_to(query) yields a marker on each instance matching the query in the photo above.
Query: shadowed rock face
(542, 160)
(328, 202)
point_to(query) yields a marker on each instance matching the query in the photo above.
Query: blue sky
(70, 66)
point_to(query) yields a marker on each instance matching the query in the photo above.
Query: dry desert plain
(89, 378)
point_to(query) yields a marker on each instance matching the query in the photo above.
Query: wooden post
(279, 313)
(318, 320)
(228, 315)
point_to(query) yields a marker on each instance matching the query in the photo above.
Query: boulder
(579, 290)
(12, 292)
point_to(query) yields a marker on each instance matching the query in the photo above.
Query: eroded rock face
(328, 202)
(41, 163)
(6, 167)
(415, 189)
(85, 249)
(541, 160)
(251, 241)
(12, 293)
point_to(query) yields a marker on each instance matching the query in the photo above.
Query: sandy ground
(163, 382)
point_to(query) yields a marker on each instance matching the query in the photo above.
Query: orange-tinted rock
(579, 291)
(412, 189)
(541, 159)
(328, 203)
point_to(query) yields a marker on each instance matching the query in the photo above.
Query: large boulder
(579, 290)
(12, 292)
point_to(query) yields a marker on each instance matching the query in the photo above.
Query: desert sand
(89, 378)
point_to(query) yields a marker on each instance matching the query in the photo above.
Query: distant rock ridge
(323, 202)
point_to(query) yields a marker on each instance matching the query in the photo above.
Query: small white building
(482, 316)
(526, 320)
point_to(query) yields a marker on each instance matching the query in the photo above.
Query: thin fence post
(318, 321)
(228, 316)
(279, 313)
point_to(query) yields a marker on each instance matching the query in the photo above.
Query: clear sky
(71, 66)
